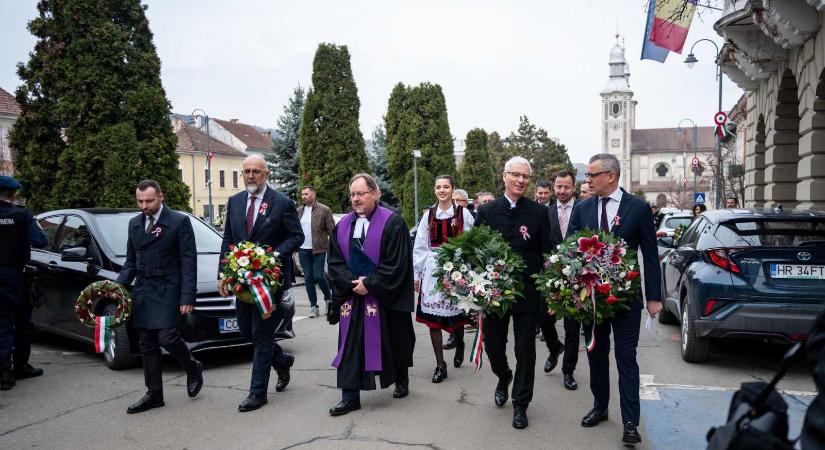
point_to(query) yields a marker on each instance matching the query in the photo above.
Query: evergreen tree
(476, 171)
(546, 156)
(95, 117)
(426, 194)
(332, 147)
(499, 153)
(378, 166)
(284, 161)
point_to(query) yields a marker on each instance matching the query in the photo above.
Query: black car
(744, 273)
(87, 245)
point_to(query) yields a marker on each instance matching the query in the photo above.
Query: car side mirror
(666, 241)
(75, 254)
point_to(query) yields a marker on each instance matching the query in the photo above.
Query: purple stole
(372, 322)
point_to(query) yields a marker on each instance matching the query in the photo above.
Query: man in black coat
(613, 210)
(162, 256)
(268, 218)
(524, 223)
(564, 186)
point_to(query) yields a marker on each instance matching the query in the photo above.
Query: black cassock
(392, 284)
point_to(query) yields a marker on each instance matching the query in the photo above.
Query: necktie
(563, 221)
(151, 223)
(250, 215)
(603, 223)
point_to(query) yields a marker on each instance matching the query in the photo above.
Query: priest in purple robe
(370, 265)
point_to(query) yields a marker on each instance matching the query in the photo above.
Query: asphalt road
(79, 403)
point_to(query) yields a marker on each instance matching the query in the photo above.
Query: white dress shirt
(259, 198)
(306, 226)
(612, 208)
(422, 251)
(512, 203)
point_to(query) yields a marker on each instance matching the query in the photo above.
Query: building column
(810, 191)
(755, 165)
(782, 153)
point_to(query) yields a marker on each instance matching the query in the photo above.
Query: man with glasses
(266, 217)
(525, 224)
(613, 210)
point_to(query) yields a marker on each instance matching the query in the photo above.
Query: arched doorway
(755, 167)
(782, 153)
(811, 188)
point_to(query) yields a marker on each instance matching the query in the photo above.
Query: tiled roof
(8, 105)
(253, 138)
(192, 140)
(654, 140)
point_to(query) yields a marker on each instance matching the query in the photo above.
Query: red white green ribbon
(478, 341)
(103, 338)
(260, 292)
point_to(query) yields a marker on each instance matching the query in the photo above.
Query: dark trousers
(15, 319)
(261, 332)
(313, 267)
(402, 375)
(150, 343)
(572, 327)
(625, 327)
(495, 345)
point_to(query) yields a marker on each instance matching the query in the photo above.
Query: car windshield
(115, 227)
(776, 232)
(676, 222)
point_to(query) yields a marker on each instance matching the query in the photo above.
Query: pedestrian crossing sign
(698, 197)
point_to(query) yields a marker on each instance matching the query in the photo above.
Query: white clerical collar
(512, 202)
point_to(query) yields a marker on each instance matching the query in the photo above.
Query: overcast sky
(494, 60)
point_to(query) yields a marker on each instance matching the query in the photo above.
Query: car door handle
(53, 266)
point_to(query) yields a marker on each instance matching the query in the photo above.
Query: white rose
(243, 261)
(259, 251)
(272, 261)
(448, 266)
(456, 275)
(554, 259)
(275, 254)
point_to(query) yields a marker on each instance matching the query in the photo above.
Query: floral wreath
(98, 291)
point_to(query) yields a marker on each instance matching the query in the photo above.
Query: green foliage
(426, 194)
(546, 156)
(332, 147)
(499, 154)
(378, 166)
(284, 161)
(95, 117)
(476, 173)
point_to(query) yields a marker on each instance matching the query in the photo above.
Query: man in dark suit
(266, 217)
(564, 186)
(162, 255)
(612, 209)
(524, 223)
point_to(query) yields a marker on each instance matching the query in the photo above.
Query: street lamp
(680, 130)
(691, 61)
(208, 161)
(416, 155)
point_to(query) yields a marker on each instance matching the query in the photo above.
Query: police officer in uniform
(18, 233)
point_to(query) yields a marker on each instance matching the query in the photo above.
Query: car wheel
(117, 356)
(694, 348)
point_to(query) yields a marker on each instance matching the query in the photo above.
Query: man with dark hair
(543, 192)
(584, 191)
(658, 216)
(18, 233)
(161, 255)
(613, 210)
(731, 201)
(317, 224)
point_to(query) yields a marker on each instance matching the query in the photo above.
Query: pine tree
(378, 166)
(95, 117)
(284, 161)
(476, 173)
(546, 156)
(332, 147)
(499, 153)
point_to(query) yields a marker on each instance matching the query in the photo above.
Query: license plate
(228, 325)
(797, 271)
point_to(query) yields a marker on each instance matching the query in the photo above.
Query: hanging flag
(671, 23)
(102, 337)
(649, 49)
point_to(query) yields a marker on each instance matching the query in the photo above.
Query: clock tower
(618, 113)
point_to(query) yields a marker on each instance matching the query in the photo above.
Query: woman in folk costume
(441, 222)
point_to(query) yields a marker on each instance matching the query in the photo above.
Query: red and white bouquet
(253, 273)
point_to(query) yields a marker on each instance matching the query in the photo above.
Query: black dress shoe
(631, 434)
(6, 380)
(148, 402)
(553, 359)
(440, 373)
(519, 417)
(458, 359)
(452, 341)
(570, 382)
(194, 380)
(26, 371)
(594, 417)
(283, 372)
(345, 407)
(252, 402)
(502, 389)
(401, 390)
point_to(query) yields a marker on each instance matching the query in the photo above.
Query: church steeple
(619, 112)
(619, 80)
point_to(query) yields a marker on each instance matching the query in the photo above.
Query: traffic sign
(698, 197)
(695, 161)
(684, 180)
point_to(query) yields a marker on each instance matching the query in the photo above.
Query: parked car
(670, 222)
(744, 273)
(88, 245)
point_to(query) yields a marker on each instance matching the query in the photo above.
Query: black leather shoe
(194, 380)
(519, 417)
(6, 380)
(458, 359)
(401, 390)
(440, 373)
(283, 372)
(594, 417)
(570, 382)
(502, 389)
(26, 371)
(631, 434)
(553, 359)
(344, 407)
(148, 402)
(252, 402)
(451, 342)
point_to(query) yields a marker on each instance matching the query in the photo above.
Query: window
(616, 108)
(75, 233)
(181, 174)
(50, 225)
(222, 179)
(662, 170)
(235, 179)
(206, 177)
(691, 235)
(775, 233)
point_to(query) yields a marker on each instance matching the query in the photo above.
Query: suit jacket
(321, 224)
(165, 265)
(530, 214)
(277, 225)
(635, 226)
(555, 226)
